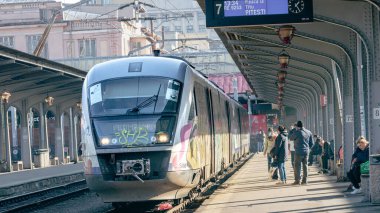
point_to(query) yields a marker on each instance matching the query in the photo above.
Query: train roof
(150, 66)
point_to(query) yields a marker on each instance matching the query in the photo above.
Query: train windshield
(131, 96)
(134, 131)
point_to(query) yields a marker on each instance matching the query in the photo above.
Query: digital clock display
(255, 7)
(221, 13)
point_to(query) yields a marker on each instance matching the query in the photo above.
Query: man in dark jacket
(303, 141)
(281, 153)
(314, 150)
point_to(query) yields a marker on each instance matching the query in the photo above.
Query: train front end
(130, 113)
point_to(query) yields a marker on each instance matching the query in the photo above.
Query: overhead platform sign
(222, 13)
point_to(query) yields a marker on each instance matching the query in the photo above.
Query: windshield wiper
(146, 103)
(143, 104)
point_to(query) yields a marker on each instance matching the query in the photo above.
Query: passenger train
(154, 128)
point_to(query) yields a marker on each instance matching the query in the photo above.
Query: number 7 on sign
(218, 8)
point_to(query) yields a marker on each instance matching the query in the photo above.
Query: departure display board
(220, 13)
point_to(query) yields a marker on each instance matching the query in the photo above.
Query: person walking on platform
(303, 141)
(281, 152)
(292, 151)
(361, 155)
(268, 145)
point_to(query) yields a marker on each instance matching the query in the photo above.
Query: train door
(233, 133)
(204, 126)
(211, 119)
(229, 147)
(218, 131)
(240, 133)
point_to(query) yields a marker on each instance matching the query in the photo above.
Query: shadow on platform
(249, 190)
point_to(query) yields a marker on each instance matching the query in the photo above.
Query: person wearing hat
(303, 141)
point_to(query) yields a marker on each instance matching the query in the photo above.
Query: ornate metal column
(26, 122)
(62, 133)
(43, 139)
(59, 143)
(73, 155)
(6, 162)
(75, 150)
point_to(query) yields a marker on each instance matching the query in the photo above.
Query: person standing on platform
(327, 155)
(313, 151)
(303, 141)
(268, 145)
(292, 151)
(281, 152)
(260, 140)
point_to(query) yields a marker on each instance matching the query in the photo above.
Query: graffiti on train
(130, 137)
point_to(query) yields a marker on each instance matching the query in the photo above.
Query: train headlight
(162, 137)
(105, 141)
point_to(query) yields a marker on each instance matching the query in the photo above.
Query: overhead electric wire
(167, 10)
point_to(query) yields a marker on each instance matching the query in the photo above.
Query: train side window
(195, 102)
(192, 112)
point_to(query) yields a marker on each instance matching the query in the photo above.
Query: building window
(104, 2)
(70, 49)
(136, 45)
(201, 16)
(189, 28)
(189, 16)
(91, 2)
(32, 42)
(178, 28)
(8, 41)
(166, 28)
(202, 28)
(87, 48)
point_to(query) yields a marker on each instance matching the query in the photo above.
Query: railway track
(196, 198)
(51, 196)
(42, 198)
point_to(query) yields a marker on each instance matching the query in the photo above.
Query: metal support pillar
(75, 150)
(44, 144)
(62, 133)
(26, 127)
(330, 118)
(250, 122)
(359, 59)
(348, 126)
(311, 118)
(59, 145)
(13, 112)
(325, 123)
(235, 87)
(320, 122)
(72, 142)
(375, 142)
(6, 164)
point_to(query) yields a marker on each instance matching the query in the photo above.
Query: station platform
(25, 181)
(249, 190)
